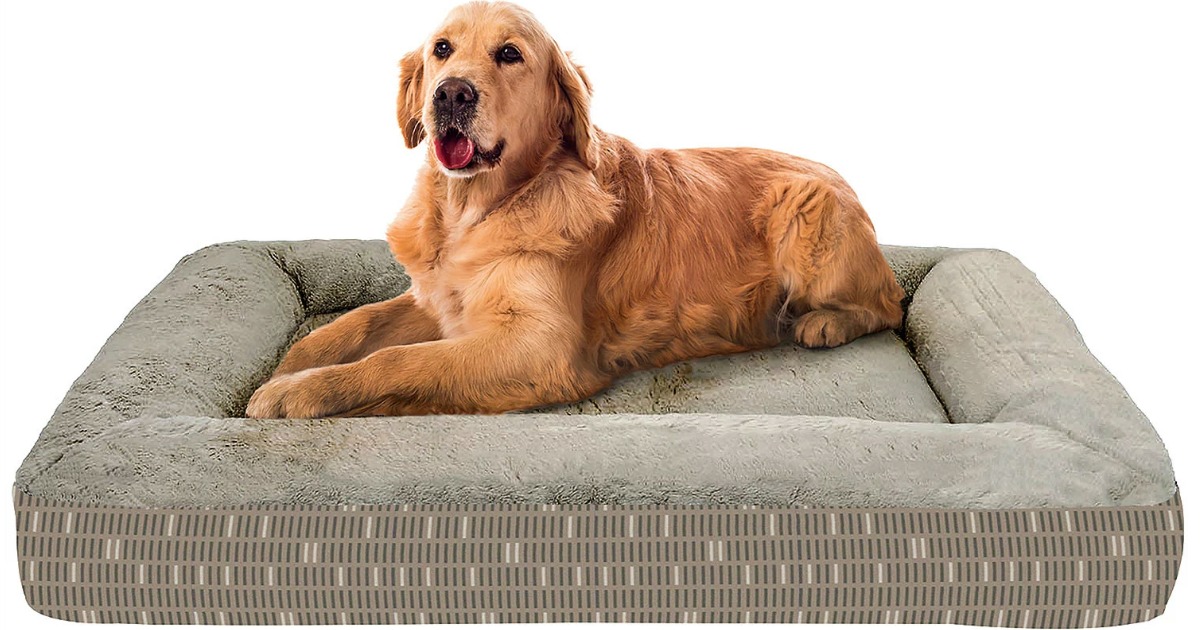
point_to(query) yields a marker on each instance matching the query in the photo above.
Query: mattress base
(339, 564)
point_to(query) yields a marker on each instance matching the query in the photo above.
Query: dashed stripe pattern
(375, 564)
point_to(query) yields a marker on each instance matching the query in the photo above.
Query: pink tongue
(455, 151)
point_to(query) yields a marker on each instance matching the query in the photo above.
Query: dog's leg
(360, 332)
(491, 373)
(829, 262)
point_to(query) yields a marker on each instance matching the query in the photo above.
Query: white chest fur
(443, 289)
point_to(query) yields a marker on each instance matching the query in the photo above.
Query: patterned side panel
(281, 564)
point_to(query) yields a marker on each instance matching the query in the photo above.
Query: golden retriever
(549, 258)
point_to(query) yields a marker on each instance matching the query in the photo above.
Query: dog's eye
(442, 49)
(509, 54)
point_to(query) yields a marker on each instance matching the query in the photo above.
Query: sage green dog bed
(977, 466)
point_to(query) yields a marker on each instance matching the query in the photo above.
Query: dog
(549, 258)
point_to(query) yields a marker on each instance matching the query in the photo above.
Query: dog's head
(489, 87)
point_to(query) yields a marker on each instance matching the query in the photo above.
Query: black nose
(454, 95)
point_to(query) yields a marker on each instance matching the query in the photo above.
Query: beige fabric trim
(292, 564)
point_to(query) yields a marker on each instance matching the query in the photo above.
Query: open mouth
(456, 151)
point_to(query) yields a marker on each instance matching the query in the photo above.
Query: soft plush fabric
(987, 398)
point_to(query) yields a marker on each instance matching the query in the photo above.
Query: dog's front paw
(824, 329)
(306, 394)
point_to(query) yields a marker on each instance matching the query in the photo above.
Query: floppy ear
(410, 100)
(575, 102)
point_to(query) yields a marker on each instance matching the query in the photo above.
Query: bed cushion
(998, 405)
(976, 466)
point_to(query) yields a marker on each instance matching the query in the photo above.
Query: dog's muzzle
(454, 109)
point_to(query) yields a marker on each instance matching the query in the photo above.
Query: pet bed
(978, 466)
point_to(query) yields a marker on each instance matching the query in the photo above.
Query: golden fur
(578, 257)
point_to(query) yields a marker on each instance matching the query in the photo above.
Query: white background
(134, 133)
